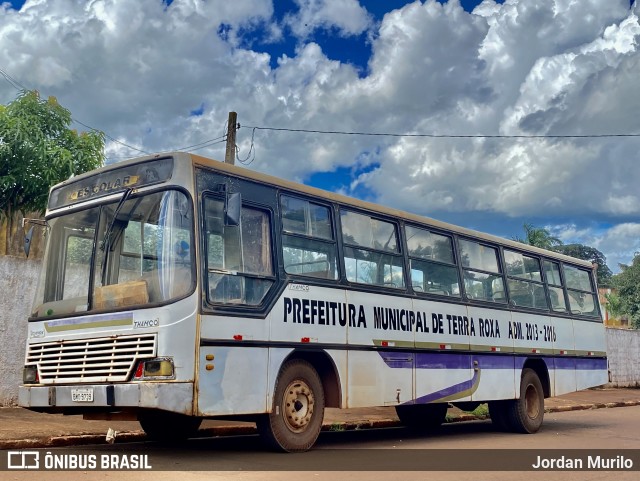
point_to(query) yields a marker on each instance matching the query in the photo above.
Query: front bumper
(168, 396)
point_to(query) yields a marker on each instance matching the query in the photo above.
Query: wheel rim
(532, 402)
(298, 405)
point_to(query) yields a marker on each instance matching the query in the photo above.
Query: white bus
(176, 288)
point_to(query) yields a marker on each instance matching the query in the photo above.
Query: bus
(176, 288)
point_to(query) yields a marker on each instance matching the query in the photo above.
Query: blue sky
(163, 75)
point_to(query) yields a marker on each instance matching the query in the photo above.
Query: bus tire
(422, 417)
(525, 415)
(167, 426)
(294, 423)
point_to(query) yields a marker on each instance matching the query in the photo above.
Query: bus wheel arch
(326, 369)
(295, 420)
(541, 369)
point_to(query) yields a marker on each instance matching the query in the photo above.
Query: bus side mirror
(27, 241)
(232, 209)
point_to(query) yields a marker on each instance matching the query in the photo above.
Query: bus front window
(66, 268)
(141, 254)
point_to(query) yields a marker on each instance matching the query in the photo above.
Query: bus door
(239, 283)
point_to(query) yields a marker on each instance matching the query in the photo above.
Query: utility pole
(230, 155)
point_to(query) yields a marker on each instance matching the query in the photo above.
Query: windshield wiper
(106, 240)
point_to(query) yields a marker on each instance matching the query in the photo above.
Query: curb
(137, 436)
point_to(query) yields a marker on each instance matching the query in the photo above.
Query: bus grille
(108, 359)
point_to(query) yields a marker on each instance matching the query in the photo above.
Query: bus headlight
(159, 368)
(30, 375)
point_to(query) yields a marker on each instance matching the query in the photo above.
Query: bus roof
(343, 199)
(388, 211)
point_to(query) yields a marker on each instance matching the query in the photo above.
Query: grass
(481, 411)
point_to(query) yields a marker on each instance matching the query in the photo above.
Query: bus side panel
(443, 362)
(591, 369)
(341, 362)
(531, 341)
(309, 314)
(234, 381)
(229, 328)
(383, 377)
(492, 360)
(564, 361)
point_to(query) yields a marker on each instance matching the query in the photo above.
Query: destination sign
(111, 182)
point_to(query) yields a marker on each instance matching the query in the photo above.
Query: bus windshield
(131, 252)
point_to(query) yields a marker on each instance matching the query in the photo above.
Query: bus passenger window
(556, 289)
(482, 277)
(524, 280)
(580, 290)
(371, 253)
(308, 244)
(433, 269)
(239, 265)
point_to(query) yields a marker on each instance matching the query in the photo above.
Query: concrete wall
(623, 348)
(18, 281)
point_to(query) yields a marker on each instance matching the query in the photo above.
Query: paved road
(377, 452)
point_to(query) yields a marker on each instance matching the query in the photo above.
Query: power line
(448, 136)
(110, 138)
(208, 145)
(202, 143)
(13, 82)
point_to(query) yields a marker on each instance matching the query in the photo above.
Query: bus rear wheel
(298, 409)
(525, 415)
(423, 417)
(166, 426)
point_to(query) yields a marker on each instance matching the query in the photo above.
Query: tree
(592, 254)
(628, 285)
(38, 150)
(614, 305)
(538, 237)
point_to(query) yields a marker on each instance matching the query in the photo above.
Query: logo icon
(23, 460)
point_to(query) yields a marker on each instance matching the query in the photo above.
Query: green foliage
(538, 237)
(38, 150)
(614, 305)
(481, 411)
(628, 285)
(592, 254)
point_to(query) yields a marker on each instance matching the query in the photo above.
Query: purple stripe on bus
(443, 360)
(590, 364)
(562, 363)
(427, 360)
(450, 391)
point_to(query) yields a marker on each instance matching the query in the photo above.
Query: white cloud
(137, 70)
(620, 243)
(346, 17)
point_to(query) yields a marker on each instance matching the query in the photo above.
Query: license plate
(84, 395)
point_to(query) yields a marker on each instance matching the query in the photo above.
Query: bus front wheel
(167, 426)
(298, 409)
(524, 415)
